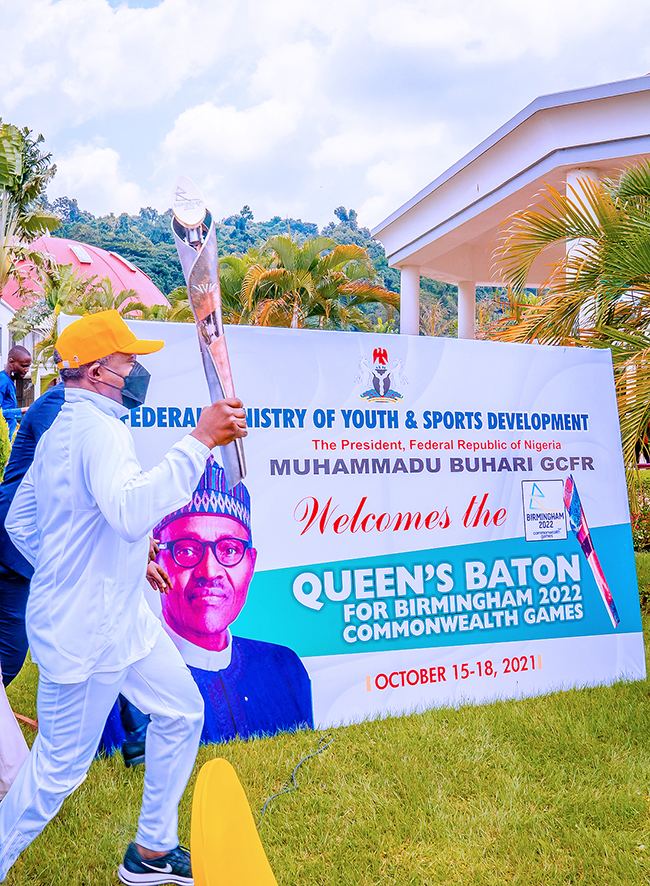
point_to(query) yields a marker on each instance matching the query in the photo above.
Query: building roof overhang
(449, 228)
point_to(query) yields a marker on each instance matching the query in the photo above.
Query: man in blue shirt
(15, 571)
(18, 365)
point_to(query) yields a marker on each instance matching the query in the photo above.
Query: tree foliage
(25, 172)
(598, 293)
(5, 445)
(146, 240)
(437, 300)
(319, 284)
(18, 263)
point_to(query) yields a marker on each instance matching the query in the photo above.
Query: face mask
(135, 387)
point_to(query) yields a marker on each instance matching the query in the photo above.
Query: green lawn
(549, 790)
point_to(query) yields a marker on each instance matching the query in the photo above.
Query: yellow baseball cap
(98, 335)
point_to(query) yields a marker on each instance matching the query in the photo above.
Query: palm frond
(598, 293)
(311, 249)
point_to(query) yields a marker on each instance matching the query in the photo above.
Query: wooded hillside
(146, 240)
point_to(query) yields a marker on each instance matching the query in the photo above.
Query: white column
(409, 311)
(574, 177)
(466, 309)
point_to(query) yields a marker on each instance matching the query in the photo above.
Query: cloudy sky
(292, 106)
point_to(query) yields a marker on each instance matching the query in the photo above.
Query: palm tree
(10, 252)
(178, 310)
(319, 285)
(18, 263)
(232, 270)
(65, 290)
(11, 145)
(232, 273)
(432, 318)
(25, 172)
(598, 293)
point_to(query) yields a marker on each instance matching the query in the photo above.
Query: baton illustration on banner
(580, 528)
(197, 250)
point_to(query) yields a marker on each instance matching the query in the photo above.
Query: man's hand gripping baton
(197, 250)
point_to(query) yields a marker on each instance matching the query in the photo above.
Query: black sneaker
(133, 753)
(174, 867)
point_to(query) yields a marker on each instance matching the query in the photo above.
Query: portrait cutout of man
(249, 687)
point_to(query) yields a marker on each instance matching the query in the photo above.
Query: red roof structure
(91, 261)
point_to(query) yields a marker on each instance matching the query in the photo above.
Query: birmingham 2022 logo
(381, 376)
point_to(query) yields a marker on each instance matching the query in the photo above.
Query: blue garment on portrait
(264, 690)
(9, 401)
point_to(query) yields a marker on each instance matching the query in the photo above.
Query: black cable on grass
(322, 745)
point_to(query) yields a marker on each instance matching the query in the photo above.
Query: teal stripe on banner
(399, 601)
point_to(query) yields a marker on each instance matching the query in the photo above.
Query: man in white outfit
(82, 516)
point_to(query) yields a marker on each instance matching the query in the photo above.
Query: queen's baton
(579, 526)
(197, 249)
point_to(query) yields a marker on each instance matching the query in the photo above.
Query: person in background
(18, 364)
(15, 570)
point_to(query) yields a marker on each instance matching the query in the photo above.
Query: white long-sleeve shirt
(82, 516)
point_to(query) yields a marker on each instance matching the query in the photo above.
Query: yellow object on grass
(226, 848)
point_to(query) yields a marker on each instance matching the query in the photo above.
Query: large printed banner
(435, 520)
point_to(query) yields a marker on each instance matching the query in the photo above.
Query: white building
(448, 230)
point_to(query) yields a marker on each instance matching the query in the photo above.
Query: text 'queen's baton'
(197, 250)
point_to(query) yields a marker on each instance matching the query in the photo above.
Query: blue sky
(292, 106)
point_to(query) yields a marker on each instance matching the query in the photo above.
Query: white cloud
(89, 58)
(216, 144)
(322, 21)
(476, 31)
(289, 70)
(391, 183)
(361, 144)
(227, 134)
(93, 175)
(394, 162)
(292, 106)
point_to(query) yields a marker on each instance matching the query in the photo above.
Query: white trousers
(71, 718)
(13, 747)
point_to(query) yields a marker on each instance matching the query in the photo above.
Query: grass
(643, 576)
(549, 790)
